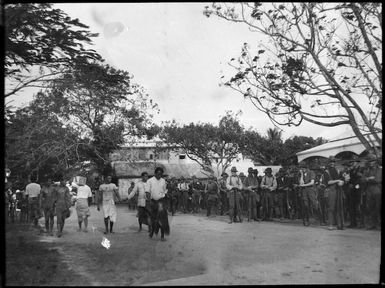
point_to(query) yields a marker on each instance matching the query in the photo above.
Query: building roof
(332, 148)
(135, 169)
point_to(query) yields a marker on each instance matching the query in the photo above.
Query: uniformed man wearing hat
(308, 192)
(373, 179)
(268, 185)
(335, 200)
(251, 185)
(355, 192)
(282, 194)
(244, 194)
(223, 199)
(234, 185)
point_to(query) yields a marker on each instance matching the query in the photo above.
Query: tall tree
(40, 44)
(213, 147)
(322, 63)
(38, 143)
(102, 104)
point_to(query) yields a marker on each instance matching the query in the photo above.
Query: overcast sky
(177, 54)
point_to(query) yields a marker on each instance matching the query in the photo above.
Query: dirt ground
(199, 251)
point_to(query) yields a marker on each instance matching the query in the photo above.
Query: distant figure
(33, 191)
(62, 200)
(251, 184)
(82, 204)
(268, 185)
(335, 201)
(212, 192)
(223, 191)
(48, 205)
(105, 197)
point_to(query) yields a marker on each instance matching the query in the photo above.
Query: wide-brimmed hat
(224, 174)
(268, 169)
(242, 174)
(331, 159)
(234, 169)
(302, 164)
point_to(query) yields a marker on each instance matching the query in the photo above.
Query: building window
(181, 157)
(142, 155)
(151, 156)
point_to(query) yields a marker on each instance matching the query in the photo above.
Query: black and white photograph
(192, 143)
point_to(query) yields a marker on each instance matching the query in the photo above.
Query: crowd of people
(332, 197)
(55, 198)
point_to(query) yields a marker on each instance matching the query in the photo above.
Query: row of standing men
(333, 197)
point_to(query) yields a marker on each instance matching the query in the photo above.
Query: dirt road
(209, 251)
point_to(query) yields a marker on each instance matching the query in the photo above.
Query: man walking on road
(82, 209)
(140, 189)
(33, 191)
(105, 196)
(48, 206)
(159, 218)
(62, 200)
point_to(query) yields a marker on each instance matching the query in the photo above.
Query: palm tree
(274, 134)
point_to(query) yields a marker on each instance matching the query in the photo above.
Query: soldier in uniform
(62, 200)
(244, 193)
(258, 194)
(335, 201)
(173, 197)
(223, 199)
(308, 192)
(196, 192)
(321, 193)
(268, 185)
(212, 192)
(234, 185)
(251, 185)
(183, 188)
(355, 197)
(373, 178)
(280, 194)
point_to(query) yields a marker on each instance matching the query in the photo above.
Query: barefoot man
(105, 197)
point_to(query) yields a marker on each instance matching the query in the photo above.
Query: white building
(130, 161)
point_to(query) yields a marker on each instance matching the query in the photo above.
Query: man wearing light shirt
(158, 191)
(82, 208)
(33, 191)
(140, 189)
